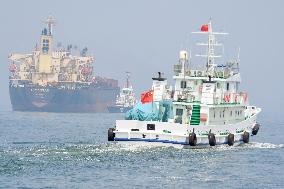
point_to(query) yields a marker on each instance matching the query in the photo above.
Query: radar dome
(183, 55)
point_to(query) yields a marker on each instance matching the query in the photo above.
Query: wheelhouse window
(228, 86)
(218, 85)
(45, 46)
(179, 112)
(183, 84)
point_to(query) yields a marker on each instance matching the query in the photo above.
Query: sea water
(50, 150)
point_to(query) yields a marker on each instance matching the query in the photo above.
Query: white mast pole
(210, 50)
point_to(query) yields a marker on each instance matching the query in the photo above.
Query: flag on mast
(204, 28)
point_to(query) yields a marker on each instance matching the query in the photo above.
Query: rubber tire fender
(192, 139)
(211, 139)
(111, 134)
(246, 137)
(231, 139)
(255, 129)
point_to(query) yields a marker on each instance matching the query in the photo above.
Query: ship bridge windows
(45, 46)
(44, 31)
(125, 91)
(237, 86)
(183, 84)
(179, 115)
(179, 112)
(228, 86)
(218, 85)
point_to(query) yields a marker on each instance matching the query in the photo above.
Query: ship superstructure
(56, 80)
(205, 107)
(126, 98)
(214, 89)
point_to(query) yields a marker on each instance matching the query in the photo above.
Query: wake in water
(138, 146)
(262, 145)
(92, 151)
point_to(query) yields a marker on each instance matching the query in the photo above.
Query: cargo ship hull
(61, 99)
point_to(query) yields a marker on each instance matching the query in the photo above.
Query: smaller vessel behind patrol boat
(126, 98)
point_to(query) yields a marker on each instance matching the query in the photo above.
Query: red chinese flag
(204, 28)
(147, 97)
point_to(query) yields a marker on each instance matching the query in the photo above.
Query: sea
(66, 150)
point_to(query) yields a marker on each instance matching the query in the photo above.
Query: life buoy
(203, 117)
(199, 73)
(245, 97)
(227, 98)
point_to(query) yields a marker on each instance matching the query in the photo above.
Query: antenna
(50, 22)
(211, 43)
(239, 51)
(127, 79)
(84, 52)
(183, 59)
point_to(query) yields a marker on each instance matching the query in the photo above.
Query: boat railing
(222, 74)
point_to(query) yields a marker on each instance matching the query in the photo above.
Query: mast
(211, 43)
(127, 79)
(210, 51)
(50, 22)
(183, 59)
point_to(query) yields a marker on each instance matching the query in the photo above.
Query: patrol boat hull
(180, 134)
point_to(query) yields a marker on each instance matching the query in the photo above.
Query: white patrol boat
(205, 107)
(125, 100)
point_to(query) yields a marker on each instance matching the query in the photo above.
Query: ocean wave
(263, 145)
(94, 150)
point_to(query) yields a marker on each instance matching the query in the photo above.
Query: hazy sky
(144, 37)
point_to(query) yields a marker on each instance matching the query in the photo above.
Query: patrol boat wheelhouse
(205, 107)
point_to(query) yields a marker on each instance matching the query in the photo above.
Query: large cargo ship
(57, 81)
